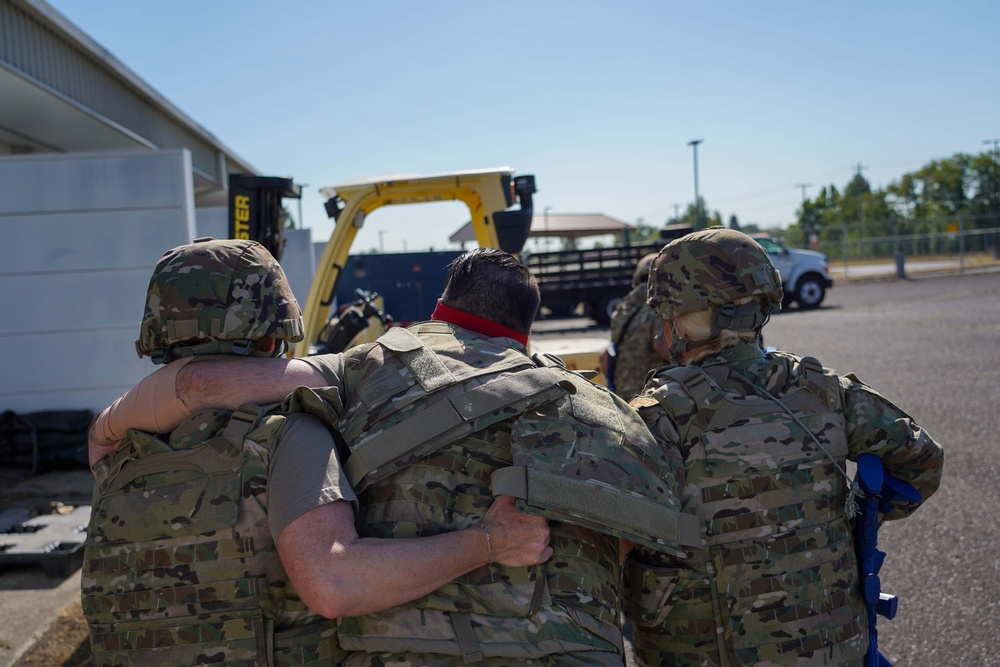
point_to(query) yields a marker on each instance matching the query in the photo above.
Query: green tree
(287, 221)
(643, 233)
(705, 219)
(984, 182)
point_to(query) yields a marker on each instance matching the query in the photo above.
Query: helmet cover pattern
(711, 267)
(217, 290)
(641, 273)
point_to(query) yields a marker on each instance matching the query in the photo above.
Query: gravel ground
(66, 644)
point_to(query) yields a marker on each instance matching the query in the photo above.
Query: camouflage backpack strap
(227, 445)
(447, 418)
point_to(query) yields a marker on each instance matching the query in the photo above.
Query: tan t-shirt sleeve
(305, 473)
(330, 365)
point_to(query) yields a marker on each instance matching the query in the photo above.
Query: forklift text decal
(241, 211)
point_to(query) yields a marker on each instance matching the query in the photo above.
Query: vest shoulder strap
(700, 388)
(447, 418)
(695, 382)
(817, 382)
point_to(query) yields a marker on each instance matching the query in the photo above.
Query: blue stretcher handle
(881, 491)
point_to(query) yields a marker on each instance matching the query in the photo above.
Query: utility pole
(677, 212)
(697, 199)
(805, 217)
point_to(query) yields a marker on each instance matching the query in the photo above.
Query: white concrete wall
(299, 262)
(81, 234)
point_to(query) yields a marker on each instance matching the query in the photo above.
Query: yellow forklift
(499, 203)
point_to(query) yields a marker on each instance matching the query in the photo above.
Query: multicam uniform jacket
(776, 582)
(564, 612)
(634, 324)
(180, 567)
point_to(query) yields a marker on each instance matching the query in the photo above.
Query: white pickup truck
(805, 274)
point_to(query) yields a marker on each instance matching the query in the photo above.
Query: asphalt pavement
(931, 346)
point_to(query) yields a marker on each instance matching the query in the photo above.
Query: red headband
(475, 323)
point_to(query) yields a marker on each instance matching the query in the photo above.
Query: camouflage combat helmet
(710, 270)
(213, 297)
(641, 274)
(712, 267)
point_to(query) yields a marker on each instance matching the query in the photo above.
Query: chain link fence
(956, 240)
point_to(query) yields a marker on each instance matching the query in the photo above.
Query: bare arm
(165, 398)
(340, 574)
(229, 383)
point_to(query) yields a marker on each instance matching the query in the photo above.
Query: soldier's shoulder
(671, 379)
(667, 389)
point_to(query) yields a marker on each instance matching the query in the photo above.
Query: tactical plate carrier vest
(180, 567)
(777, 579)
(433, 413)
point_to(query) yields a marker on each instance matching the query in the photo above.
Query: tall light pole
(805, 222)
(861, 210)
(697, 201)
(302, 186)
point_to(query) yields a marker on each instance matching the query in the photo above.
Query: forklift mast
(255, 209)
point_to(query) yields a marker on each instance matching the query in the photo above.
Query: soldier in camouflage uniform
(201, 537)
(634, 326)
(764, 438)
(442, 416)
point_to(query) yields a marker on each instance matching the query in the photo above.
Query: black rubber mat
(54, 540)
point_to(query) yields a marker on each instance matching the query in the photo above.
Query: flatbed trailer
(598, 278)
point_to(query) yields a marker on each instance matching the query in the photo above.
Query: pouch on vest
(648, 592)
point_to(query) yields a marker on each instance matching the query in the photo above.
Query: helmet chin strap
(749, 317)
(679, 346)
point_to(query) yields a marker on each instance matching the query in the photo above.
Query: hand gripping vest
(180, 567)
(432, 414)
(777, 579)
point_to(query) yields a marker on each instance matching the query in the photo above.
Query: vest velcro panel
(598, 506)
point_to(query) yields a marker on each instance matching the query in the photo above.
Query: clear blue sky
(597, 99)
